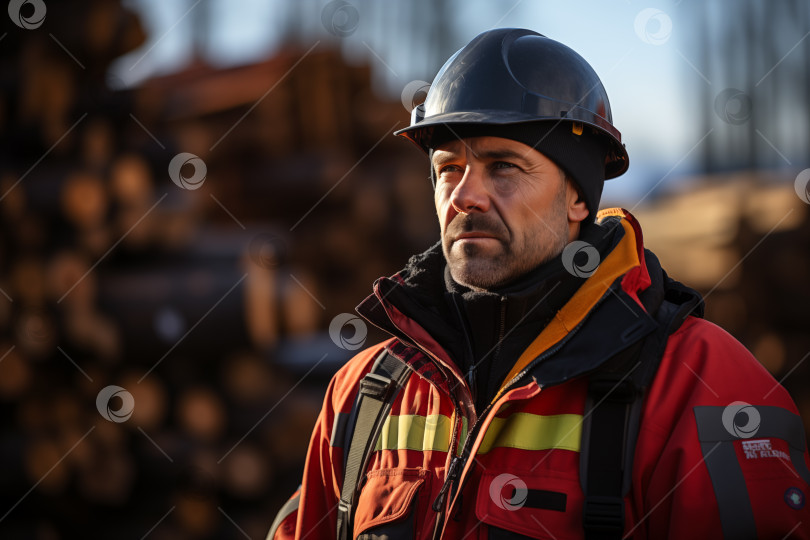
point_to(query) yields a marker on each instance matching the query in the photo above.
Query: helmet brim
(422, 132)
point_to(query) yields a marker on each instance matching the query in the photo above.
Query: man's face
(504, 208)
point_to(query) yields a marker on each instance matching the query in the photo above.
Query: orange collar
(621, 260)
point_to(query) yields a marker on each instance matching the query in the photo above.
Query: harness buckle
(377, 386)
(344, 516)
(603, 514)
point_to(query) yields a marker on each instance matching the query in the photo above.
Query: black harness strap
(611, 425)
(605, 437)
(378, 389)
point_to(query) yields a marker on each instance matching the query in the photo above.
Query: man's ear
(575, 203)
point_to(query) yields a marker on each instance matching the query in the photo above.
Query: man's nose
(471, 194)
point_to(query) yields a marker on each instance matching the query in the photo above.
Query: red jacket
(720, 448)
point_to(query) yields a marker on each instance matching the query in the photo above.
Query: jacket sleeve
(722, 451)
(316, 496)
(314, 514)
(283, 527)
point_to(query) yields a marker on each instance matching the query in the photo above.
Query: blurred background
(193, 194)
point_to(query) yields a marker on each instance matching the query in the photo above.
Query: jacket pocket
(528, 506)
(386, 508)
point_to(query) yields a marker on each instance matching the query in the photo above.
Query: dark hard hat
(507, 78)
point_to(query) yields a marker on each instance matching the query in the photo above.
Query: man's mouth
(476, 235)
(474, 229)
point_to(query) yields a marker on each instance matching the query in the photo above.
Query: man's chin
(481, 275)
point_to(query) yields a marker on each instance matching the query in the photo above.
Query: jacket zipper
(456, 463)
(472, 434)
(454, 470)
(453, 467)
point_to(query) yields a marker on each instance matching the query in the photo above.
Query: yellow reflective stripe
(534, 432)
(414, 432)
(520, 430)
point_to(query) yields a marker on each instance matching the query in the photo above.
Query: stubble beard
(479, 270)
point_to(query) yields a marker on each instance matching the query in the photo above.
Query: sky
(640, 50)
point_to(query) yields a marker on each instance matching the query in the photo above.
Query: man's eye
(446, 169)
(503, 165)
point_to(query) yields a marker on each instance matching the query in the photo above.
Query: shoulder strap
(611, 423)
(378, 389)
(605, 438)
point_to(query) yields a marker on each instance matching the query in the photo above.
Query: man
(545, 378)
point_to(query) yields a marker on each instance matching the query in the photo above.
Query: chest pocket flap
(389, 497)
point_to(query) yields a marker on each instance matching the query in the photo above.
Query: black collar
(496, 326)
